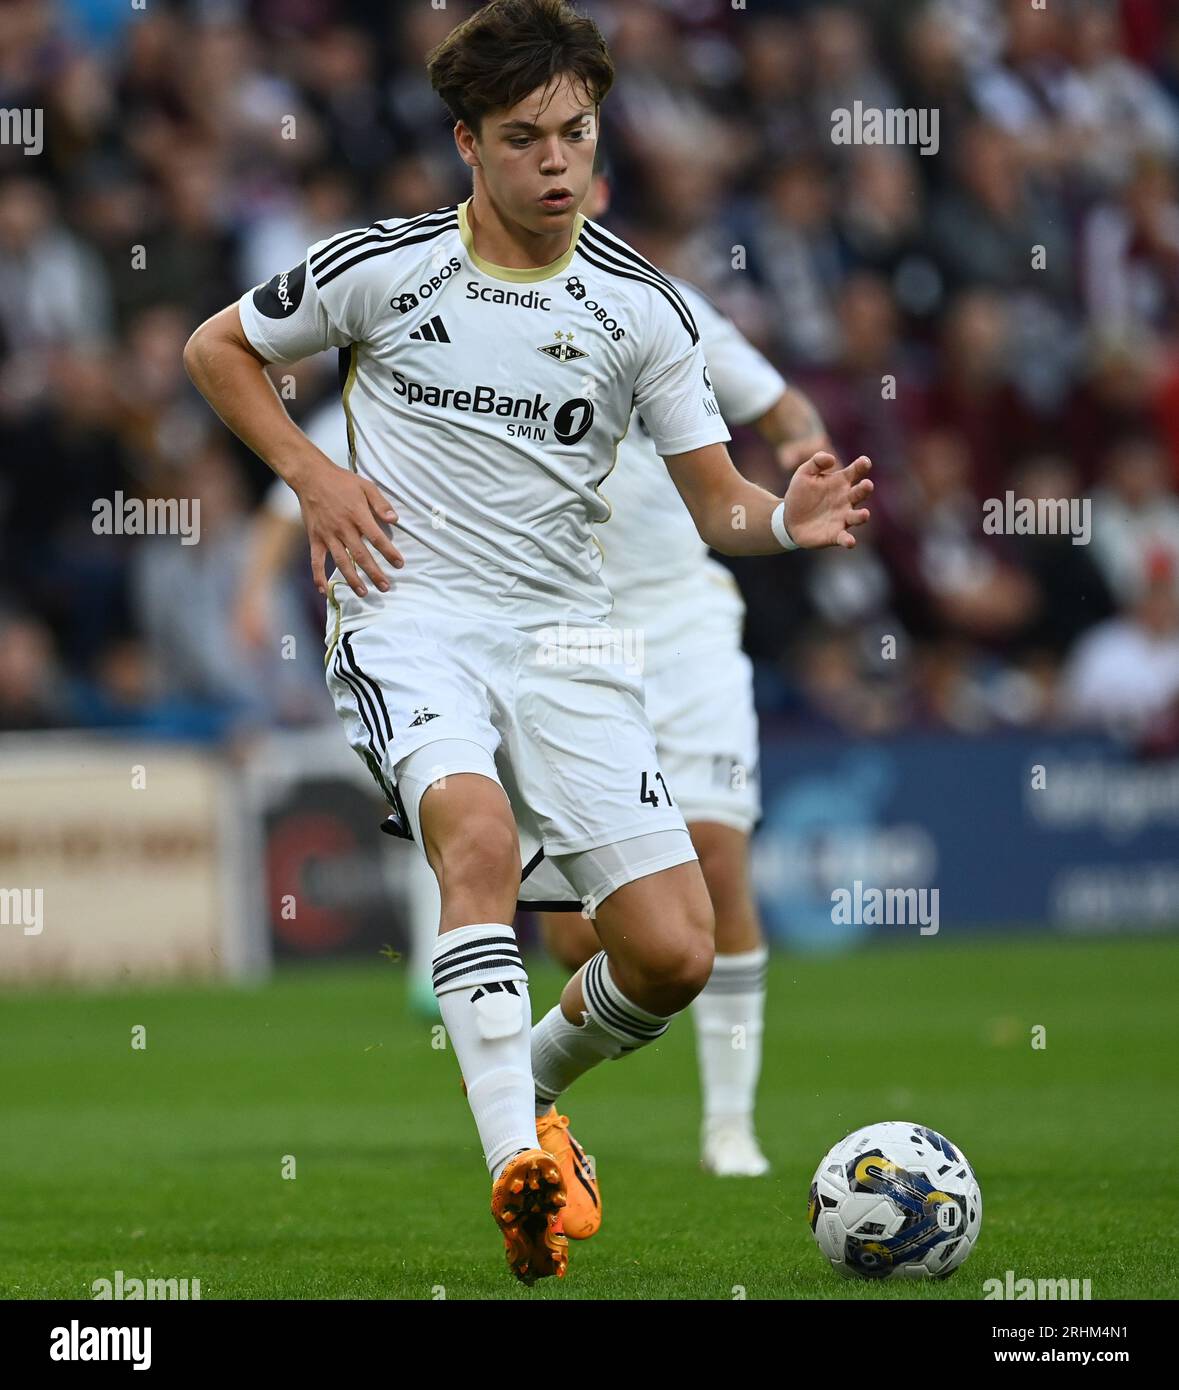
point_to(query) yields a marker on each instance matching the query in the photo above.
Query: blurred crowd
(1002, 315)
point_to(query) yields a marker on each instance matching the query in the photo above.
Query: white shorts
(565, 736)
(699, 698)
(700, 702)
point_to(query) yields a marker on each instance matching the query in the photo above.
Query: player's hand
(343, 515)
(797, 451)
(823, 502)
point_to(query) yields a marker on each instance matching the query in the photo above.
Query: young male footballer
(486, 400)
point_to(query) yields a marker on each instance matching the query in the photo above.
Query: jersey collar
(506, 272)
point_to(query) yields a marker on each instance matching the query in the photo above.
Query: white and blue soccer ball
(895, 1200)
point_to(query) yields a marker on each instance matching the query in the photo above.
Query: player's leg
(729, 1012)
(465, 825)
(648, 952)
(656, 956)
(583, 753)
(699, 692)
(569, 937)
(443, 782)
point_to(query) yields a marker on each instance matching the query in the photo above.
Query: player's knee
(673, 973)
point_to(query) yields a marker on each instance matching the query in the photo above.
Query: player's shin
(729, 1013)
(423, 909)
(482, 991)
(610, 1026)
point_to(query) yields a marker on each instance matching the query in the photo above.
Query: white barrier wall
(121, 861)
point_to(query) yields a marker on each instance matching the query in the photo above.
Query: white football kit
(698, 681)
(489, 404)
(679, 612)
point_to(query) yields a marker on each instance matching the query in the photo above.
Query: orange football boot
(583, 1210)
(526, 1202)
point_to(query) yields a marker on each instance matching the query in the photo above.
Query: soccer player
(687, 611)
(492, 355)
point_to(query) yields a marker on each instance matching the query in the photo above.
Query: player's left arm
(794, 427)
(823, 504)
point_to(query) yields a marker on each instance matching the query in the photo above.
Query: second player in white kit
(698, 681)
(683, 612)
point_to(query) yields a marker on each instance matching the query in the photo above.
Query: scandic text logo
(526, 299)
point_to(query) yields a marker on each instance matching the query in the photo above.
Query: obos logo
(403, 303)
(577, 289)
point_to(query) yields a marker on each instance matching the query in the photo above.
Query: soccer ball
(895, 1200)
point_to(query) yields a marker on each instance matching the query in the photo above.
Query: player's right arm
(822, 506)
(342, 512)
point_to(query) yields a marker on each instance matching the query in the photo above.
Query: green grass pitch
(167, 1162)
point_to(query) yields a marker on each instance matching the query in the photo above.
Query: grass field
(167, 1162)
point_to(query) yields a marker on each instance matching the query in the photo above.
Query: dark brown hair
(507, 49)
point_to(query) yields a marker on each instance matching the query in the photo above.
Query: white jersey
(489, 402)
(654, 559)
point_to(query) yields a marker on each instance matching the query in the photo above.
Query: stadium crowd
(999, 315)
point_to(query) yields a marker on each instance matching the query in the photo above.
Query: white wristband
(778, 526)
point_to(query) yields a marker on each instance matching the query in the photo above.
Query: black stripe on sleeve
(376, 232)
(384, 250)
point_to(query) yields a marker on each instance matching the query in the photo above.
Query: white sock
(482, 991)
(611, 1027)
(729, 1013)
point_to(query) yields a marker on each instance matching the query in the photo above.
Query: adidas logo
(507, 987)
(432, 332)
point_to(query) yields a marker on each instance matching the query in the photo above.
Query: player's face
(537, 156)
